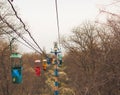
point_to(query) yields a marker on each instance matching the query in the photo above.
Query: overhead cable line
(57, 17)
(18, 40)
(30, 42)
(24, 26)
(18, 34)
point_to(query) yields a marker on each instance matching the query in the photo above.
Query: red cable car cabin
(37, 68)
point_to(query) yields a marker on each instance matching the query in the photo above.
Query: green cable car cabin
(16, 68)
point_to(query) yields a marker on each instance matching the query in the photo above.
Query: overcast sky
(40, 16)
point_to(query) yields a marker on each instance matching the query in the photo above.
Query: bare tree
(90, 50)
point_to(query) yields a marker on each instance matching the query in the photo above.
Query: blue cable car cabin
(56, 92)
(16, 68)
(56, 83)
(56, 73)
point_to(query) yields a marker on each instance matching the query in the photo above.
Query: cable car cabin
(16, 68)
(56, 72)
(49, 61)
(44, 64)
(60, 59)
(56, 92)
(56, 83)
(37, 68)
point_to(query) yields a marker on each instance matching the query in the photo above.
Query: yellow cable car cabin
(44, 64)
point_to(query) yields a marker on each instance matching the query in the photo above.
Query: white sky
(40, 16)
